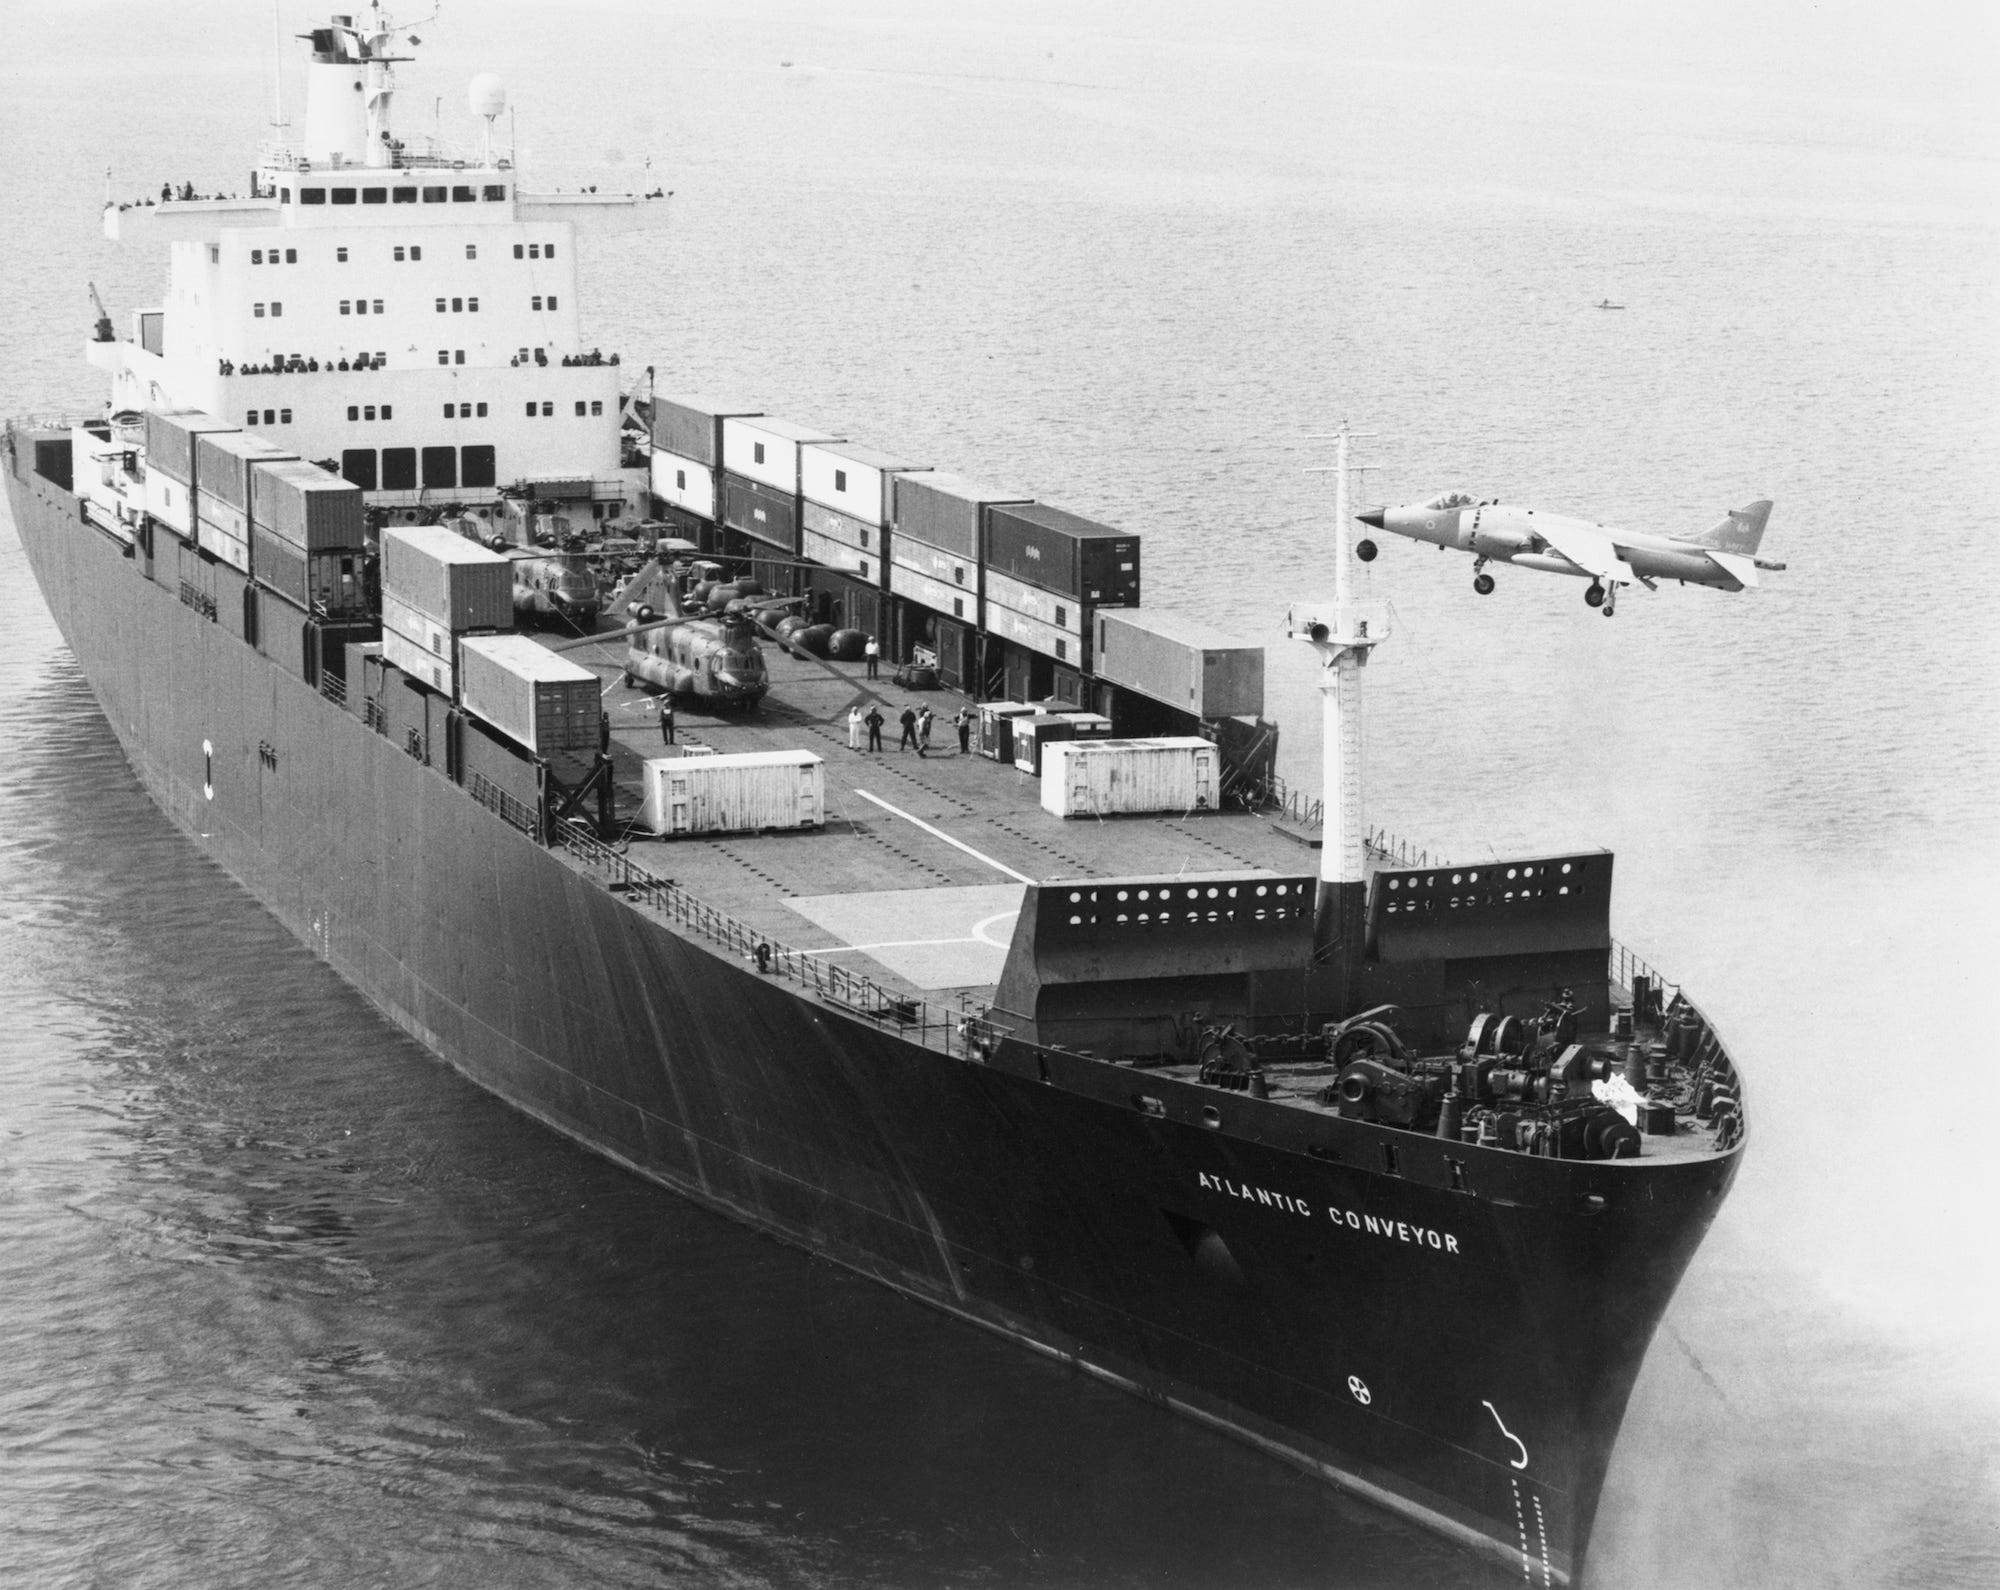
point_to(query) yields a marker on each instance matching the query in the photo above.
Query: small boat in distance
(1605, 303)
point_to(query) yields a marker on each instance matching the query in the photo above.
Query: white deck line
(960, 844)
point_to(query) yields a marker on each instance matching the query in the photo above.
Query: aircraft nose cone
(1373, 520)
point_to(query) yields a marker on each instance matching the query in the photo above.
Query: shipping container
(531, 695)
(1036, 636)
(222, 465)
(1034, 733)
(1057, 610)
(684, 484)
(1089, 726)
(766, 449)
(951, 600)
(845, 528)
(821, 549)
(1064, 552)
(418, 627)
(282, 632)
(762, 512)
(1180, 662)
(692, 426)
(996, 728)
(170, 501)
(457, 583)
(850, 478)
(947, 568)
(742, 793)
(234, 605)
(333, 583)
(1104, 778)
(170, 441)
(221, 542)
(364, 675)
(945, 510)
(417, 661)
(303, 504)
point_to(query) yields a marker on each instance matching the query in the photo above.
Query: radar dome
(487, 95)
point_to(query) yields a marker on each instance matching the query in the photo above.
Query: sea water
(284, 1301)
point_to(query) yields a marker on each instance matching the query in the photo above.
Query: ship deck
(916, 879)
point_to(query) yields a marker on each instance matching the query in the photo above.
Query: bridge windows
(312, 195)
(472, 251)
(340, 254)
(433, 195)
(357, 467)
(403, 195)
(399, 469)
(495, 190)
(343, 195)
(441, 466)
(374, 195)
(476, 464)
(461, 194)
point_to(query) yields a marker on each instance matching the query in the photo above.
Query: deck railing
(964, 1031)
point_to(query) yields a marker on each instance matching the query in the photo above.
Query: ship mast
(1343, 635)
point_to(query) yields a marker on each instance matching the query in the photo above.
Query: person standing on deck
(874, 721)
(909, 723)
(666, 720)
(873, 653)
(924, 730)
(854, 728)
(962, 721)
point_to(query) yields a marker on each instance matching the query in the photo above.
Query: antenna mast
(1343, 634)
(277, 67)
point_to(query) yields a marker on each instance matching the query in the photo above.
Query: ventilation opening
(1210, 1253)
(1389, 1159)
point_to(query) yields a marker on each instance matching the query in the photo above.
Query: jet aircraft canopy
(1452, 499)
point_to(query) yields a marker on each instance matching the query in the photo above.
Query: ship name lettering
(1398, 1230)
(1255, 1195)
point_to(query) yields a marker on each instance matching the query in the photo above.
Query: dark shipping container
(170, 435)
(761, 512)
(946, 510)
(692, 426)
(1064, 552)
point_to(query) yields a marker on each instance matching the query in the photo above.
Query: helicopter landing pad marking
(939, 833)
(930, 938)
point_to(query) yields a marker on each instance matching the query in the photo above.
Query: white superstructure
(407, 314)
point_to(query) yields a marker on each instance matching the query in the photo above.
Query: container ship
(540, 700)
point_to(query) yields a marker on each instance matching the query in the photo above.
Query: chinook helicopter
(555, 588)
(702, 645)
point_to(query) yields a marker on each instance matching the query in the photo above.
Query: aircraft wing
(1590, 550)
(1739, 568)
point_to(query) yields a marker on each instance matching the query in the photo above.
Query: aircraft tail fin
(1740, 532)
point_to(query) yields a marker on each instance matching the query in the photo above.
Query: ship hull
(1458, 1350)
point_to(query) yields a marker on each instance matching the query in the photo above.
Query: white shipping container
(846, 529)
(170, 502)
(684, 483)
(218, 540)
(766, 450)
(824, 550)
(1059, 612)
(948, 568)
(1036, 636)
(416, 626)
(850, 478)
(422, 665)
(734, 794)
(457, 583)
(1103, 778)
(954, 601)
(528, 693)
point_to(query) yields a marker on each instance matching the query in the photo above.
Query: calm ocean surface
(284, 1301)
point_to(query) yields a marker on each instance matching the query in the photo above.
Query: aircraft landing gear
(1364, 549)
(1610, 602)
(1594, 597)
(1483, 584)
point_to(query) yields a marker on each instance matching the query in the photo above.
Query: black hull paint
(1468, 1369)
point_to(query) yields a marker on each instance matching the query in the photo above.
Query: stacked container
(222, 504)
(172, 466)
(844, 492)
(1101, 778)
(936, 533)
(1047, 569)
(436, 587)
(742, 793)
(1185, 664)
(996, 728)
(534, 697)
(760, 477)
(687, 452)
(306, 534)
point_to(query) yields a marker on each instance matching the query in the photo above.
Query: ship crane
(104, 331)
(1343, 633)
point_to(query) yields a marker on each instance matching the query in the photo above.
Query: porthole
(1260, 891)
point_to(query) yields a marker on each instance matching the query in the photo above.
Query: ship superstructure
(1385, 1165)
